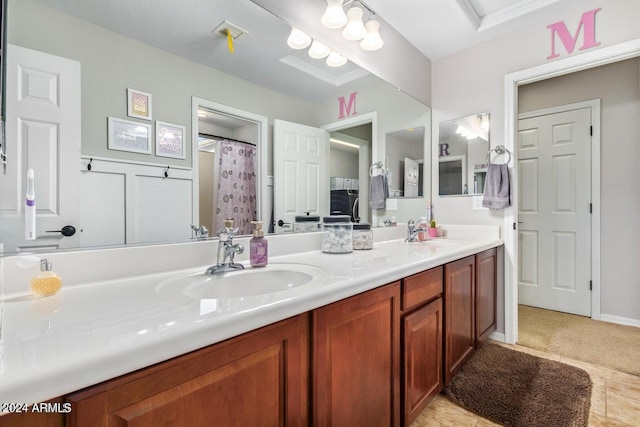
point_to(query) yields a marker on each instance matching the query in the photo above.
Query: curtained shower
(235, 184)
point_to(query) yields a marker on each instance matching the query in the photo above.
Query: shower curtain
(236, 187)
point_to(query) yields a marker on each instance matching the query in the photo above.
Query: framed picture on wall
(138, 104)
(126, 135)
(170, 140)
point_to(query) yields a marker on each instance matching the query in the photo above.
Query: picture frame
(170, 140)
(127, 135)
(138, 104)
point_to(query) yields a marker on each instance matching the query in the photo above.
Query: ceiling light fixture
(334, 16)
(354, 30)
(372, 40)
(336, 60)
(347, 144)
(297, 39)
(318, 50)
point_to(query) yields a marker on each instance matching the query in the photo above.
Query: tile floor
(615, 399)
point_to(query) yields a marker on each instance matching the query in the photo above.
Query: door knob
(281, 223)
(67, 231)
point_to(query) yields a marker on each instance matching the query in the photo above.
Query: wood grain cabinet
(486, 289)
(459, 311)
(356, 360)
(421, 341)
(257, 379)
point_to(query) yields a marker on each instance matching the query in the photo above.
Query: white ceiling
(442, 27)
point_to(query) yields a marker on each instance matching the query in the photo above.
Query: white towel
(497, 188)
(378, 192)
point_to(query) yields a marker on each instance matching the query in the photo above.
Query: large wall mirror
(181, 58)
(462, 150)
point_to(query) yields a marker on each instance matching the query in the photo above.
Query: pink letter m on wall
(587, 21)
(347, 108)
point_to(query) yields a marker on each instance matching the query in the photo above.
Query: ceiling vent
(234, 30)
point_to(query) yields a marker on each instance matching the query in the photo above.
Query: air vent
(233, 29)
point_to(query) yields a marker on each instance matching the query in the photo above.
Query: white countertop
(94, 331)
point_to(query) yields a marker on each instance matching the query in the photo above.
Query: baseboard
(620, 320)
(497, 336)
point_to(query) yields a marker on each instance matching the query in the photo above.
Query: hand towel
(497, 188)
(378, 192)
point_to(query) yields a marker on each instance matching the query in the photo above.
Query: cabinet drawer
(421, 287)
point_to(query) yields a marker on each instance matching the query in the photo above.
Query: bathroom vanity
(369, 343)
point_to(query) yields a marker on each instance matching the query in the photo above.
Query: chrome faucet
(201, 232)
(412, 231)
(226, 251)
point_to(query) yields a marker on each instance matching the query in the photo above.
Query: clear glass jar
(362, 236)
(338, 234)
(306, 223)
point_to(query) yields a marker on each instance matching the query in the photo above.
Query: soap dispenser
(258, 246)
(46, 282)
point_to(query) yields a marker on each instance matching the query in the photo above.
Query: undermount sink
(242, 283)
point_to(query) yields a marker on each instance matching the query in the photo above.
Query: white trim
(595, 107)
(497, 336)
(568, 65)
(620, 320)
(262, 190)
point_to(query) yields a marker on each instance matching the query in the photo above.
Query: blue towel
(497, 188)
(378, 192)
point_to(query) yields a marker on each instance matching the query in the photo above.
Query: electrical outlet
(477, 204)
(391, 204)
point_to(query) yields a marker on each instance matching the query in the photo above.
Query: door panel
(554, 152)
(301, 173)
(43, 134)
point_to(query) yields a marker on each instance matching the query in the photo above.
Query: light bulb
(355, 29)
(318, 50)
(334, 16)
(372, 41)
(297, 39)
(336, 60)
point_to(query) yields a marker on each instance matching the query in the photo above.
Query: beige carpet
(601, 343)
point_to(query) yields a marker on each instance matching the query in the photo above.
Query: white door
(554, 166)
(42, 133)
(411, 175)
(301, 173)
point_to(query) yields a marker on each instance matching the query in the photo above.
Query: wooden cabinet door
(356, 360)
(486, 288)
(257, 379)
(459, 327)
(422, 358)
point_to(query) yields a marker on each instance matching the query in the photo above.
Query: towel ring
(500, 149)
(377, 165)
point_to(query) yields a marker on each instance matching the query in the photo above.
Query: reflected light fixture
(336, 60)
(334, 16)
(297, 39)
(348, 144)
(354, 30)
(372, 40)
(318, 50)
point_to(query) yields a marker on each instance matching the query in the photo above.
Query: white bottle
(30, 208)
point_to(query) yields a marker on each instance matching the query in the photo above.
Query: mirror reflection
(462, 148)
(180, 58)
(404, 159)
